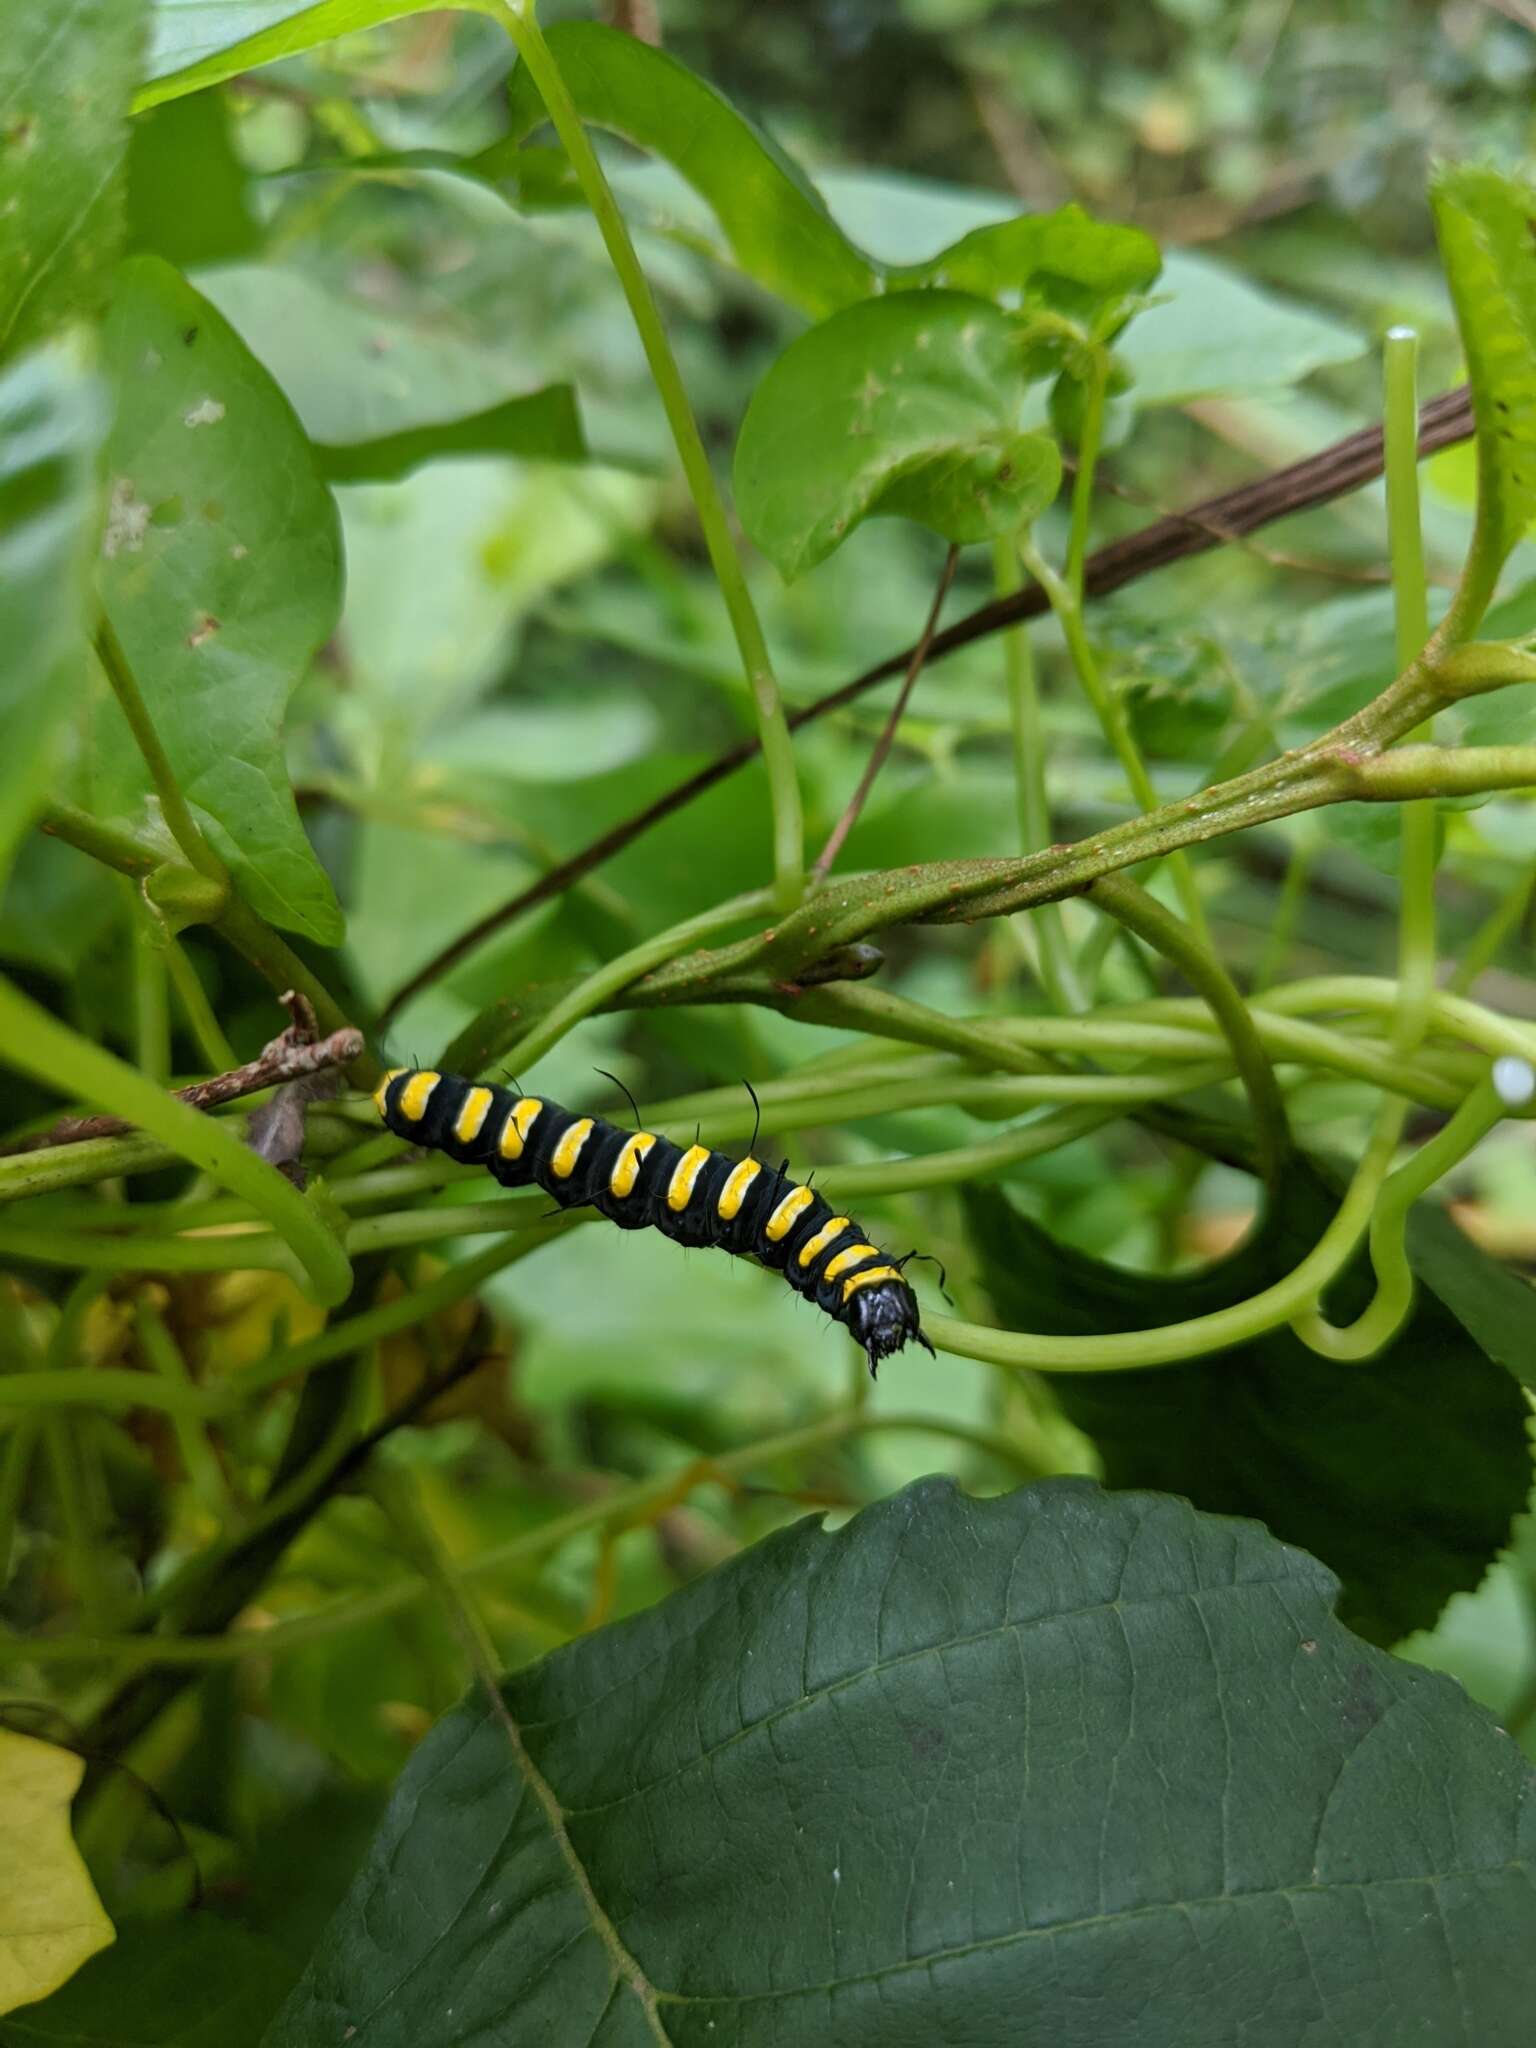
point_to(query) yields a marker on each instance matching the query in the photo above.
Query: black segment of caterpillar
(638, 1179)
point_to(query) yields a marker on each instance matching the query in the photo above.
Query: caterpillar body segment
(640, 1180)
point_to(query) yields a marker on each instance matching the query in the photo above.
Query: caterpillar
(692, 1195)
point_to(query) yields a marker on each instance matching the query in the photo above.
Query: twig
(1316, 480)
(886, 741)
(293, 1054)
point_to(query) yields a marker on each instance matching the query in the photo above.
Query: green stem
(36, 1044)
(1130, 904)
(490, 1035)
(1388, 1309)
(1416, 929)
(1196, 1337)
(1088, 448)
(218, 1054)
(15, 1470)
(1416, 941)
(1506, 917)
(1106, 709)
(773, 731)
(239, 926)
(198, 1455)
(1282, 930)
(151, 1002)
(174, 808)
(1056, 970)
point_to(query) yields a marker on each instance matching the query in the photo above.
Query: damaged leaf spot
(128, 517)
(207, 625)
(206, 413)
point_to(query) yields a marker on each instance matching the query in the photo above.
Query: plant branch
(1333, 472)
(287, 1058)
(522, 26)
(174, 808)
(236, 923)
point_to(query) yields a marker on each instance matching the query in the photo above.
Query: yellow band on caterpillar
(684, 1174)
(520, 1121)
(850, 1257)
(562, 1161)
(382, 1090)
(415, 1096)
(794, 1204)
(872, 1273)
(734, 1193)
(472, 1114)
(813, 1248)
(626, 1168)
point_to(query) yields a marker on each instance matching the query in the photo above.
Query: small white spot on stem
(1514, 1081)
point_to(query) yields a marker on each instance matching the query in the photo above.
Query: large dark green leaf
(196, 1982)
(906, 405)
(1060, 1768)
(52, 416)
(67, 69)
(222, 574)
(1487, 227)
(1402, 1474)
(773, 219)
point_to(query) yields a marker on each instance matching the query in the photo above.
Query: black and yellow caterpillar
(693, 1195)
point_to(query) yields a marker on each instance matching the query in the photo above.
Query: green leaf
(378, 394)
(196, 1982)
(1066, 257)
(906, 405)
(50, 1916)
(1403, 1474)
(194, 43)
(773, 218)
(1217, 334)
(543, 427)
(221, 572)
(188, 192)
(1059, 1767)
(52, 417)
(67, 69)
(1486, 222)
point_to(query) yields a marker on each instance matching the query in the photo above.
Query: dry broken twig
(295, 1053)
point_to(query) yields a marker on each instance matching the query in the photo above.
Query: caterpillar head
(884, 1318)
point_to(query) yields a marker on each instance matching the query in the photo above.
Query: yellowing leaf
(50, 1917)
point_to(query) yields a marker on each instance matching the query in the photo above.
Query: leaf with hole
(1402, 1474)
(221, 572)
(1486, 221)
(904, 406)
(53, 414)
(1062, 1767)
(67, 69)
